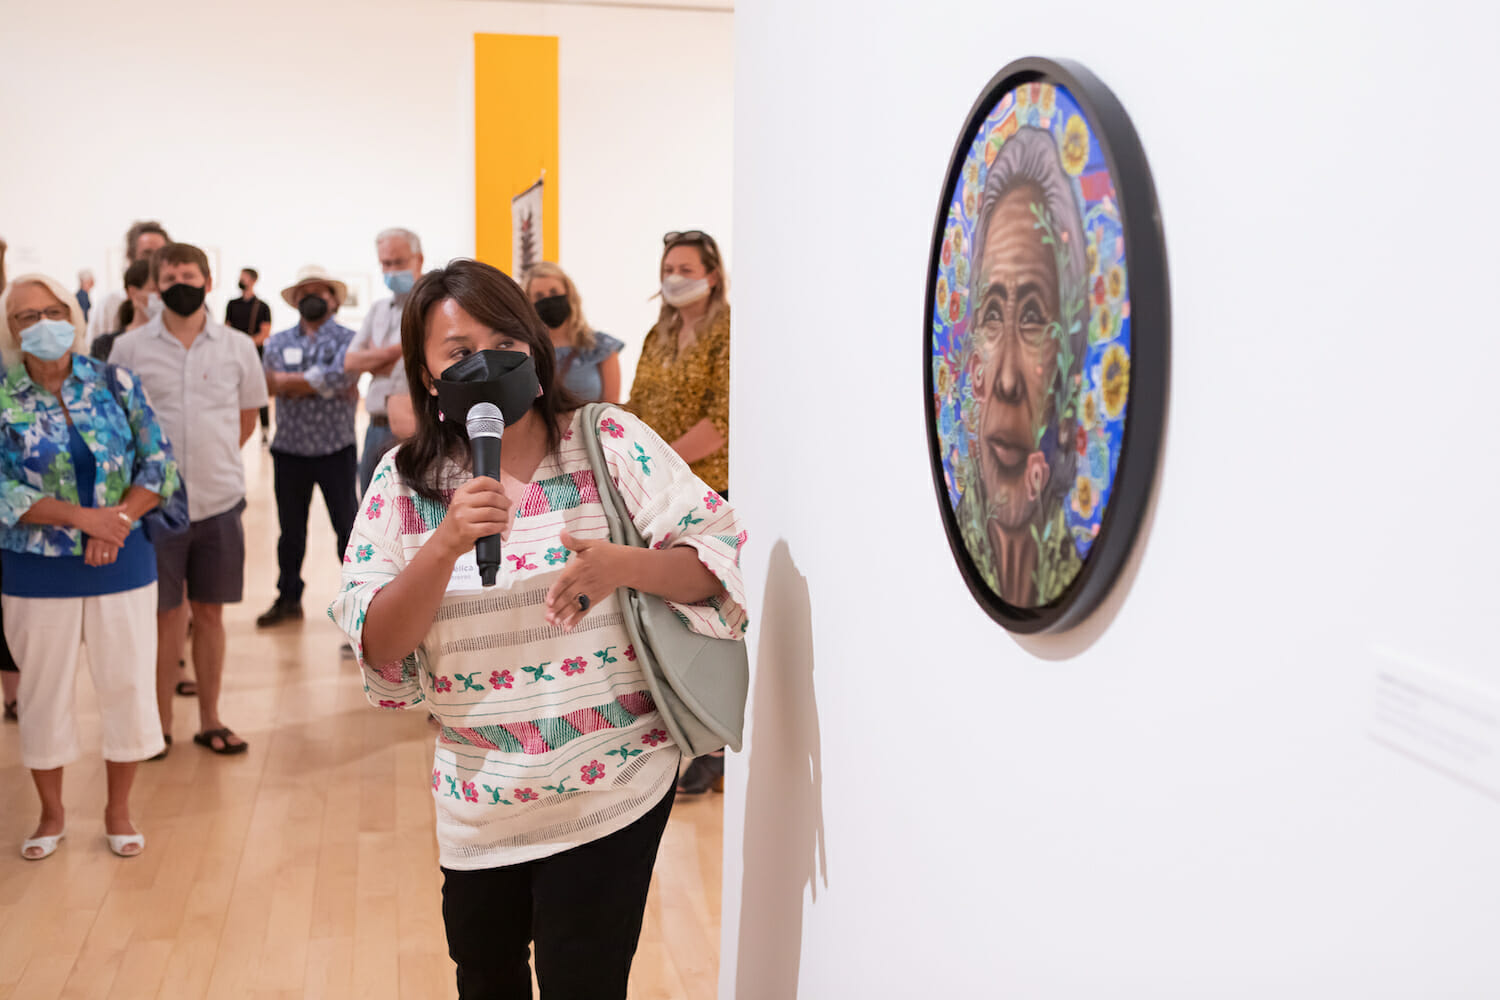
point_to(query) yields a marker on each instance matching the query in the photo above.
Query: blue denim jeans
(377, 441)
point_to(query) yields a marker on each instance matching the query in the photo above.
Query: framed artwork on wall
(1046, 344)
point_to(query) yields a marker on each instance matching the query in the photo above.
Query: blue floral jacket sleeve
(154, 467)
(110, 409)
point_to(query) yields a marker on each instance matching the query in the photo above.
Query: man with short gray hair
(377, 347)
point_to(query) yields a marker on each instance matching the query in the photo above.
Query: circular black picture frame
(1150, 349)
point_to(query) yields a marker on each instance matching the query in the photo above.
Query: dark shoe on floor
(281, 611)
(702, 774)
(217, 740)
(167, 737)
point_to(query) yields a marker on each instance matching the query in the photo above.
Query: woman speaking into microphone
(553, 774)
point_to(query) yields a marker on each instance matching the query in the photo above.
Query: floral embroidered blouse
(113, 416)
(549, 739)
(672, 393)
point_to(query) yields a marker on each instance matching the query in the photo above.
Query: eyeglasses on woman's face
(31, 317)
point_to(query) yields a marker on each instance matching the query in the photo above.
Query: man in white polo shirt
(207, 386)
(377, 346)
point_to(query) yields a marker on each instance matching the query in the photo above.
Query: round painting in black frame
(1046, 344)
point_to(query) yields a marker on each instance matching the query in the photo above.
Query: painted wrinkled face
(1015, 310)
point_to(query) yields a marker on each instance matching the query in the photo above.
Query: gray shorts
(207, 562)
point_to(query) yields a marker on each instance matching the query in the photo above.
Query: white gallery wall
(1185, 799)
(287, 132)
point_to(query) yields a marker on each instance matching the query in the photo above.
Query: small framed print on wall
(1046, 345)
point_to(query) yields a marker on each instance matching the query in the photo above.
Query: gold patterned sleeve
(716, 389)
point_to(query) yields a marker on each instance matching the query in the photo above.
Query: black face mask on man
(554, 310)
(184, 300)
(312, 307)
(506, 379)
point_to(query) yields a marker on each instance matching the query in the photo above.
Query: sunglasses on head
(690, 236)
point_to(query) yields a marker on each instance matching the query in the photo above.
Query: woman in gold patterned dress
(681, 390)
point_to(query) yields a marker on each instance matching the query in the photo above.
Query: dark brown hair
(137, 274)
(139, 229)
(179, 253)
(492, 298)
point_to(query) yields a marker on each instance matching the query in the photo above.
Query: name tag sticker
(291, 355)
(465, 579)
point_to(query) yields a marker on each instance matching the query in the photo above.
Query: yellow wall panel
(515, 138)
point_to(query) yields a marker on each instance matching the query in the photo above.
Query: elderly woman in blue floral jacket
(82, 459)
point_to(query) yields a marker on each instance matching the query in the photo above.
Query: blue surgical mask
(400, 282)
(48, 339)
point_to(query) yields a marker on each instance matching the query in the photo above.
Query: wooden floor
(306, 867)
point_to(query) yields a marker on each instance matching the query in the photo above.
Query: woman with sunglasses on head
(681, 390)
(82, 460)
(554, 773)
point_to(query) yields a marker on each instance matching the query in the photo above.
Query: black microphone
(485, 426)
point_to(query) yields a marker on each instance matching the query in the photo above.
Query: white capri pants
(46, 635)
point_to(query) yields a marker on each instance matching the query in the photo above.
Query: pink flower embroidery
(592, 772)
(501, 679)
(442, 685)
(436, 779)
(613, 429)
(386, 703)
(630, 653)
(1037, 473)
(663, 543)
(522, 561)
(526, 795)
(471, 794)
(574, 666)
(373, 508)
(713, 502)
(654, 738)
(568, 434)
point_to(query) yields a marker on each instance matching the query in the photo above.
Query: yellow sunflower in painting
(1116, 282)
(1075, 145)
(1049, 98)
(1084, 497)
(1090, 411)
(942, 296)
(1116, 380)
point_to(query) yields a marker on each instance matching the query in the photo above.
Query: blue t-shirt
(30, 575)
(582, 376)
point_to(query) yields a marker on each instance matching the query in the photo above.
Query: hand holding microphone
(480, 510)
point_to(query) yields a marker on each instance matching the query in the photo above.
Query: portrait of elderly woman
(1027, 329)
(1031, 338)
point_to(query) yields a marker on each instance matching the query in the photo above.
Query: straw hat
(307, 276)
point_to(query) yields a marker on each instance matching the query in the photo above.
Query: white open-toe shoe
(118, 844)
(47, 844)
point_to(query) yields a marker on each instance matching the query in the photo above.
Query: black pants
(583, 908)
(7, 662)
(296, 475)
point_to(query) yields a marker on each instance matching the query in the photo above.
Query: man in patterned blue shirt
(314, 442)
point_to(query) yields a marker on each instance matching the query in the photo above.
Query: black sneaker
(281, 611)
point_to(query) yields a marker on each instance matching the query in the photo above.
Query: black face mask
(554, 310)
(243, 286)
(312, 307)
(504, 378)
(184, 300)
